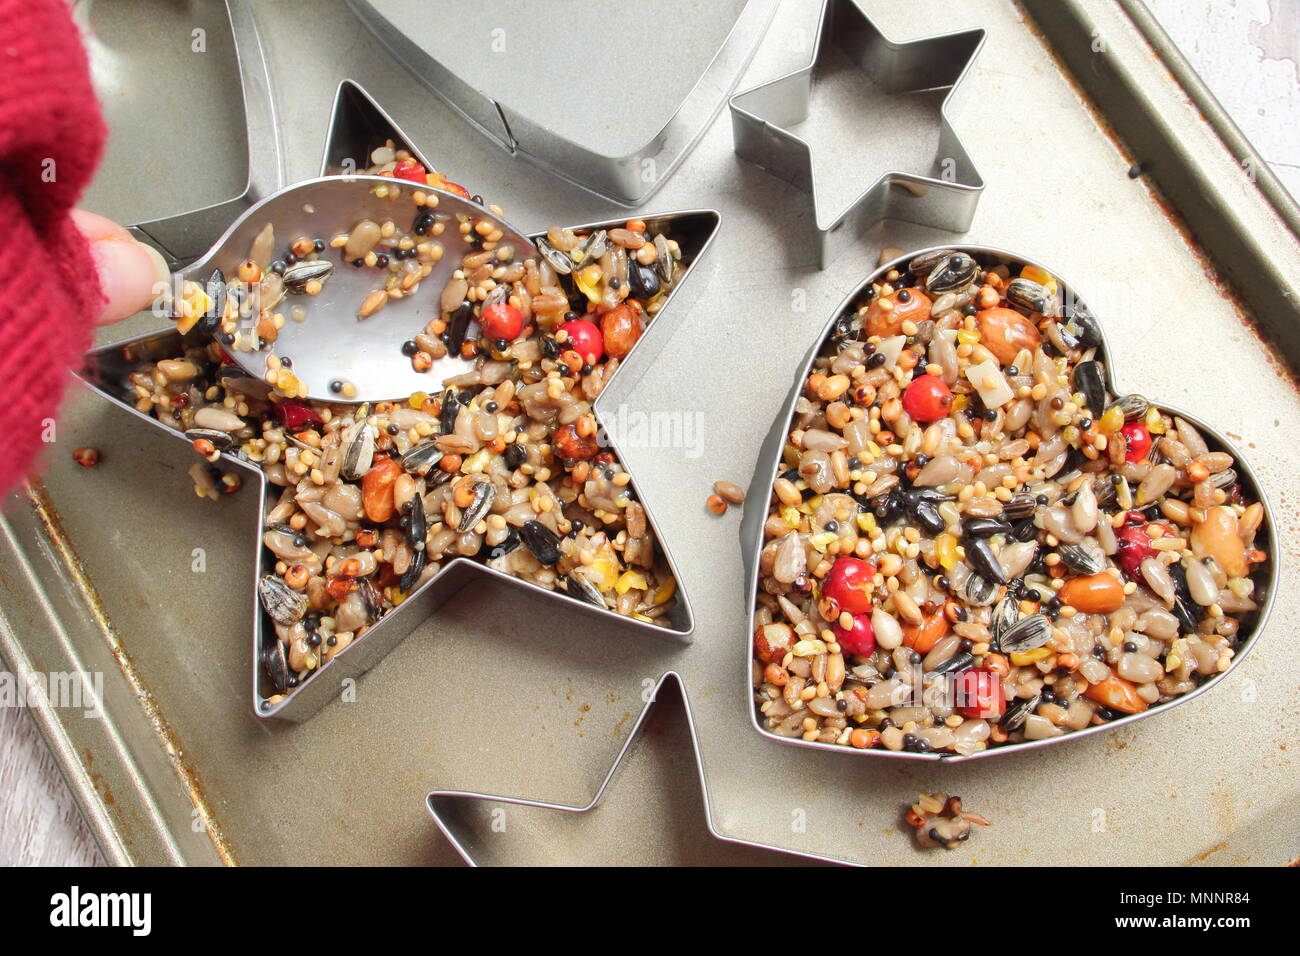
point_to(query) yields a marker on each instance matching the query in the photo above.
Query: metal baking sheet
(500, 693)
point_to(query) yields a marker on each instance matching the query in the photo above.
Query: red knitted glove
(51, 137)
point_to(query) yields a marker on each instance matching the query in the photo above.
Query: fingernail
(128, 271)
(161, 272)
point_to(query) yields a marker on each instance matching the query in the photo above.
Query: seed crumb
(940, 820)
(86, 457)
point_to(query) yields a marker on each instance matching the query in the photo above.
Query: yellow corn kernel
(630, 580)
(588, 280)
(607, 570)
(1111, 421)
(1155, 424)
(790, 515)
(1023, 658)
(945, 549)
(666, 590)
(866, 522)
(822, 540)
(967, 336)
(1041, 276)
(417, 400)
(193, 306)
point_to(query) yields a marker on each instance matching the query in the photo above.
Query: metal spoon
(331, 344)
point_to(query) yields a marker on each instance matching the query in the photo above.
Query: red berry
(1137, 439)
(859, 639)
(849, 584)
(296, 416)
(927, 399)
(456, 189)
(978, 693)
(502, 321)
(411, 170)
(1133, 547)
(585, 338)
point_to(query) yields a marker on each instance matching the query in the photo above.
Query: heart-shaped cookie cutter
(757, 501)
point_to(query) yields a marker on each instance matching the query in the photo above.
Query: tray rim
(1181, 120)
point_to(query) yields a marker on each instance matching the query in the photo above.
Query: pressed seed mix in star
(501, 463)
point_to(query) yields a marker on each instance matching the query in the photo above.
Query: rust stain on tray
(1162, 203)
(171, 745)
(1200, 857)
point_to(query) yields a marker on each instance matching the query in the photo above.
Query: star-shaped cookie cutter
(357, 125)
(761, 118)
(459, 814)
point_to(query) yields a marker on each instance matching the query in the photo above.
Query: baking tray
(502, 693)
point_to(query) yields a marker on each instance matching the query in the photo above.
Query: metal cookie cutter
(1265, 576)
(459, 814)
(945, 197)
(626, 171)
(357, 127)
(185, 236)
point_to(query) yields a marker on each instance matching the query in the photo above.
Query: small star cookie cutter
(357, 125)
(761, 118)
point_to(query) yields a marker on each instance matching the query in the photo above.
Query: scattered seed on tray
(730, 491)
(86, 457)
(940, 821)
(971, 542)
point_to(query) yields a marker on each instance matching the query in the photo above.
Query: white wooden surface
(39, 823)
(1248, 51)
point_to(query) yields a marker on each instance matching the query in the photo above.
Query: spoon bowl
(331, 344)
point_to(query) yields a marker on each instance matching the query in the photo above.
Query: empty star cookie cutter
(458, 813)
(357, 126)
(944, 198)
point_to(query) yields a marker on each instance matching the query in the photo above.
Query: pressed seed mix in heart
(972, 543)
